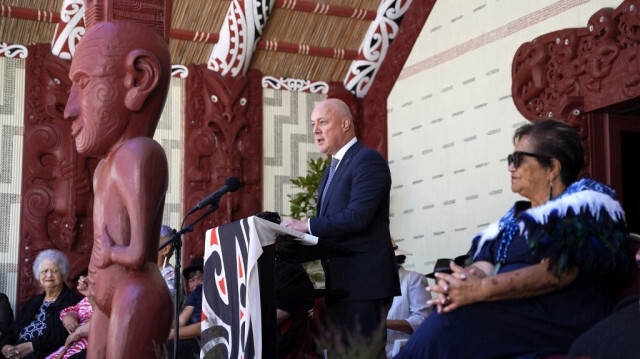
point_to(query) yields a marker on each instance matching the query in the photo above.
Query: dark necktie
(332, 171)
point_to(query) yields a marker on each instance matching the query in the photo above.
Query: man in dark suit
(353, 211)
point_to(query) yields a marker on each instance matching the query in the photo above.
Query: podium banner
(232, 324)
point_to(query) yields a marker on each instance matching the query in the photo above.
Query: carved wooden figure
(119, 85)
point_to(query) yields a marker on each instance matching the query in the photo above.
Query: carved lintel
(572, 71)
(569, 73)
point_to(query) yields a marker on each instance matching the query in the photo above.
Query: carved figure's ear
(143, 75)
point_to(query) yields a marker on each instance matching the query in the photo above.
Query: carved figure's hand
(82, 183)
(102, 249)
(64, 170)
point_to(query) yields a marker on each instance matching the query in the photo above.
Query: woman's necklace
(509, 230)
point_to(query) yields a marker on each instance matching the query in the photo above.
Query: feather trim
(583, 229)
(589, 200)
(489, 233)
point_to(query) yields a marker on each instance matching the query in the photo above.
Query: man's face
(96, 104)
(328, 129)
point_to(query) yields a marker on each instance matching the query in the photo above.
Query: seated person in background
(190, 316)
(443, 265)
(6, 313)
(410, 309)
(543, 274)
(616, 336)
(294, 303)
(76, 320)
(164, 255)
(194, 274)
(38, 330)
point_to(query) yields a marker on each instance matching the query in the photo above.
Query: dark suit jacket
(357, 216)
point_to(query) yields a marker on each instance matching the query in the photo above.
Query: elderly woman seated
(37, 330)
(547, 271)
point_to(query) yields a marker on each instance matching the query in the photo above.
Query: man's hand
(300, 226)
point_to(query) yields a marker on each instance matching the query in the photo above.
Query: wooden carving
(56, 180)
(567, 73)
(119, 85)
(371, 121)
(223, 138)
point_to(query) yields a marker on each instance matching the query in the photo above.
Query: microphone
(230, 185)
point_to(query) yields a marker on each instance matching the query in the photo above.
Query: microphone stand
(177, 245)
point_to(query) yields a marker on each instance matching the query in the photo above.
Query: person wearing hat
(443, 265)
(410, 308)
(190, 317)
(194, 274)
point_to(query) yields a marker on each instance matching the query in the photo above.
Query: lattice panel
(12, 73)
(169, 134)
(288, 144)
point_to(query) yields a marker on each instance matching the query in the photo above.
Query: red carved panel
(565, 74)
(223, 138)
(57, 197)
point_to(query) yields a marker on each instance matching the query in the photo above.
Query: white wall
(451, 119)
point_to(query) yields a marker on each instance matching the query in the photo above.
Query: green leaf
(302, 204)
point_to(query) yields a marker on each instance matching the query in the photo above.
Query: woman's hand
(70, 322)
(24, 349)
(460, 288)
(73, 337)
(9, 351)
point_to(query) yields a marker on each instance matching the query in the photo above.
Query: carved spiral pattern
(38, 202)
(45, 137)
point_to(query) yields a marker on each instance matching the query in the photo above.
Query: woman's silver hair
(55, 256)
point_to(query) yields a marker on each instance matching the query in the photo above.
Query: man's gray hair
(55, 256)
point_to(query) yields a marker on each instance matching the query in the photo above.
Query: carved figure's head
(119, 85)
(601, 25)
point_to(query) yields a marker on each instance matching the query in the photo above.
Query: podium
(238, 304)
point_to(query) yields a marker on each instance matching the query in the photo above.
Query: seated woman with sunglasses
(541, 275)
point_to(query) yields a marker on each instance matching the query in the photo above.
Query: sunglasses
(516, 157)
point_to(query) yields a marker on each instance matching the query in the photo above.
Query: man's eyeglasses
(516, 157)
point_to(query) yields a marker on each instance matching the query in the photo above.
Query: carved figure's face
(96, 101)
(601, 26)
